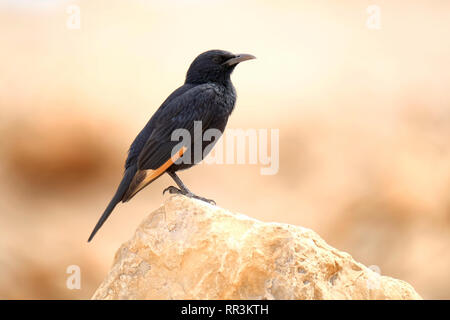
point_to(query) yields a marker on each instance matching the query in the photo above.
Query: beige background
(364, 120)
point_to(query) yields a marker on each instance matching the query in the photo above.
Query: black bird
(207, 96)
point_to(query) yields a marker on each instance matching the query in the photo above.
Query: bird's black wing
(131, 170)
(142, 137)
(197, 104)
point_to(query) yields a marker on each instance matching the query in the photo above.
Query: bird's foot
(210, 201)
(174, 190)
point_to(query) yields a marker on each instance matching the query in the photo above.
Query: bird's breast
(225, 99)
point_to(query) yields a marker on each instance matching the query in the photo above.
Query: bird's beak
(239, 58)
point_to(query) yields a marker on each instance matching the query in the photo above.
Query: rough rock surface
(188, 249)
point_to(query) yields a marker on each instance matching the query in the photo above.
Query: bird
(207, 96)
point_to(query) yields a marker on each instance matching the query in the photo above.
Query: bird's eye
(217, 59)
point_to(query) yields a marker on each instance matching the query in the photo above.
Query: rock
(188, 249)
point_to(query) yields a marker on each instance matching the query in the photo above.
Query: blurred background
(363, 114)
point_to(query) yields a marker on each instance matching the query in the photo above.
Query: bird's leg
(183, 189)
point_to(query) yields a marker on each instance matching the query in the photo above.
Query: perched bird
(207, 95)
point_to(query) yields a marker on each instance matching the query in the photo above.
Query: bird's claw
(172, 190)
(210, 201)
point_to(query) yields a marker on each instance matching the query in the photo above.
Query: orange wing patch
(143, 177)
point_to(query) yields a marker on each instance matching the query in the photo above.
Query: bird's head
(214, 66)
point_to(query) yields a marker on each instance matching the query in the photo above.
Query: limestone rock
(188, 249)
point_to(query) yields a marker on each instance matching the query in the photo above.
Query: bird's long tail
(123, 187)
